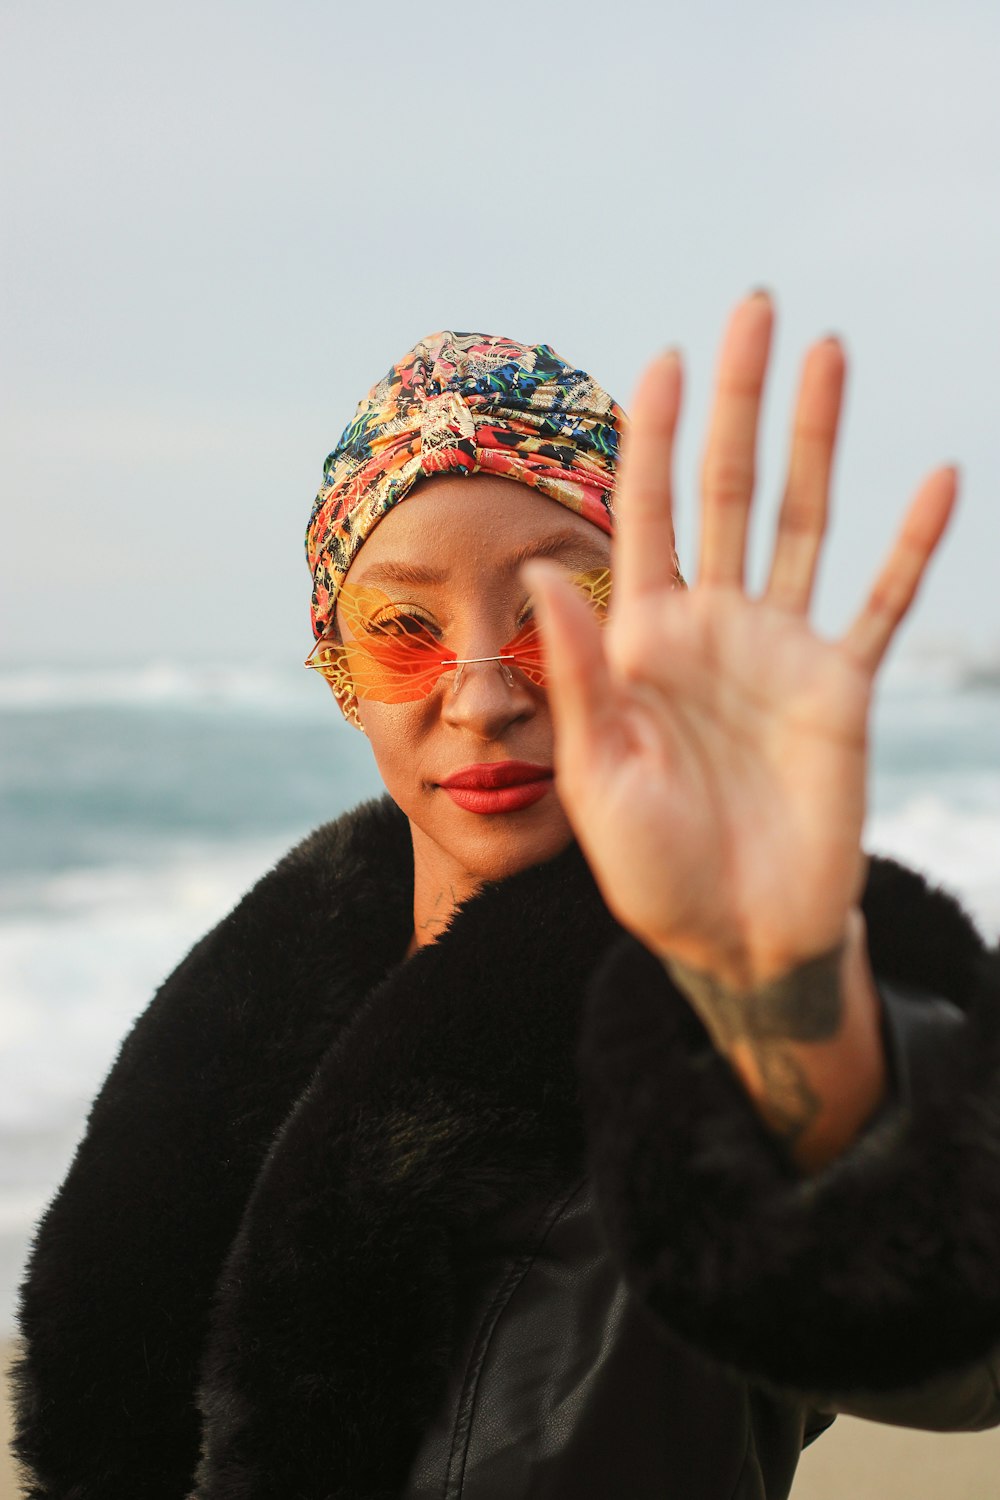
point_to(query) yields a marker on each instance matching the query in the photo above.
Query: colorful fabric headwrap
(462, 403)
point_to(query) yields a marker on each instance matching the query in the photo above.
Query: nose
(502, 661)
(485, 695)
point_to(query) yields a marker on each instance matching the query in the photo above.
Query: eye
(402, 621)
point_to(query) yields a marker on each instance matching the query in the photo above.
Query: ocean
(137, 805)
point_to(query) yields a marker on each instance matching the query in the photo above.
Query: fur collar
(448, 1101)
(302, 1145)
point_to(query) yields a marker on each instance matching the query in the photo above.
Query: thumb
(580, 688)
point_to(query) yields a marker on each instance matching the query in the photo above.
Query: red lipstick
(498, 786)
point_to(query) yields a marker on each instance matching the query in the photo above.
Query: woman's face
(453, 551)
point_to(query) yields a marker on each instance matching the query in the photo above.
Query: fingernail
(760, 293)
(831, 338)
(672, 353)
(537, 571)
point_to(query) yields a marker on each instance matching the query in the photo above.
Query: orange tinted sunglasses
(395, 657)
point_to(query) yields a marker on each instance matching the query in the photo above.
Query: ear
(338, 681)
(348, 704)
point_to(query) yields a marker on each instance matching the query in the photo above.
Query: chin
(496, 846)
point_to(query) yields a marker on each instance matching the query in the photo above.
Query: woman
(589, 1117)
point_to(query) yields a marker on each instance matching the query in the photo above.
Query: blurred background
(223, 222)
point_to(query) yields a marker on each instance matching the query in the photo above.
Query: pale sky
(223, 221)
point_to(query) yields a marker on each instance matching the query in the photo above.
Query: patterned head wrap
(462, 403)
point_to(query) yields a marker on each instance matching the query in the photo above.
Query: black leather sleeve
(966, 1400)
(924, 1034)
(871, 1287)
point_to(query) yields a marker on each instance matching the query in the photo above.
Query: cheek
(396, 733)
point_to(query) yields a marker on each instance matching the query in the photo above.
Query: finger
(730, 452)
(579, 685)
(896, 586)
(644, 555)
(804, 509)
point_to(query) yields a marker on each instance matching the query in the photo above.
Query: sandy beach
(864, 1461)
(853, 1461)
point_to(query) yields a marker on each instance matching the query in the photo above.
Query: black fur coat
(306, 1143)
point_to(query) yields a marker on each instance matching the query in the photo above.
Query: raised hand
(710, 746)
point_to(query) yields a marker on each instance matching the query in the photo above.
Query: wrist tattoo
(804, 1005)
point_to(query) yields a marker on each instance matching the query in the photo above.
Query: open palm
(711, 747)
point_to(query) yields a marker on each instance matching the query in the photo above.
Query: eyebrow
(561, 544)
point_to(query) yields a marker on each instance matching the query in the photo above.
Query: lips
(494, 774)
(498, 787)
